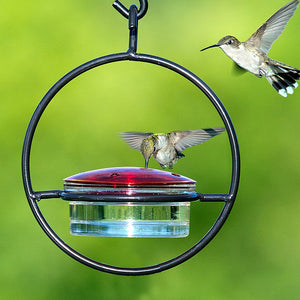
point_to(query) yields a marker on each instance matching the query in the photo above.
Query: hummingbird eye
(230, 42)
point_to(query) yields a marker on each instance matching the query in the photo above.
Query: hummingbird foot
(170, 166)
(163, 166)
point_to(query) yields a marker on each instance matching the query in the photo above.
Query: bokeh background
(256, 254)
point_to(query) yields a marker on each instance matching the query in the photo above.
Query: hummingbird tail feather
(179, 154)
(284, 78)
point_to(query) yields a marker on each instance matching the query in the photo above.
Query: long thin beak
(216, 45)
(146, 163)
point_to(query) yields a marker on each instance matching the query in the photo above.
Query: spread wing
(267, 33)
(189, 138)
(134, 139)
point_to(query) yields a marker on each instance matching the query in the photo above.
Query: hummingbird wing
(267, 33)
(134, 139)
(189, 138)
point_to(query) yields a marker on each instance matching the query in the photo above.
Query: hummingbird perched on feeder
(252, 54)
(167, 148)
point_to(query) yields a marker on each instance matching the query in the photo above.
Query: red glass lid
(129, 184)
(129, 177)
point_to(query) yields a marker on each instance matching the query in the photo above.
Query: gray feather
(184, 139)
(134, 139)
(267, 33)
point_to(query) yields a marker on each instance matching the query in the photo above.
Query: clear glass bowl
(110, 219)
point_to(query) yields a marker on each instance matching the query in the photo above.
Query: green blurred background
(256, 254)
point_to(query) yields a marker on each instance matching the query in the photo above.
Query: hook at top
(125, 12)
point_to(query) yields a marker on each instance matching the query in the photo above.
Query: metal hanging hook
(125, 12)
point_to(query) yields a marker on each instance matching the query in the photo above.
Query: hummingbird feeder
(130, 201)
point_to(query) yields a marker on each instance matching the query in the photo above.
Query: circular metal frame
(34, 196)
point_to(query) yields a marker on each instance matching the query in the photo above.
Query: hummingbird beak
(216, 45)
(146, 163)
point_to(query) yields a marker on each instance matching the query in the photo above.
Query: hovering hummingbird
(252, 54)
(167, 148)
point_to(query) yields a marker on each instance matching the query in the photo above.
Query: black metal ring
(33, 197)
